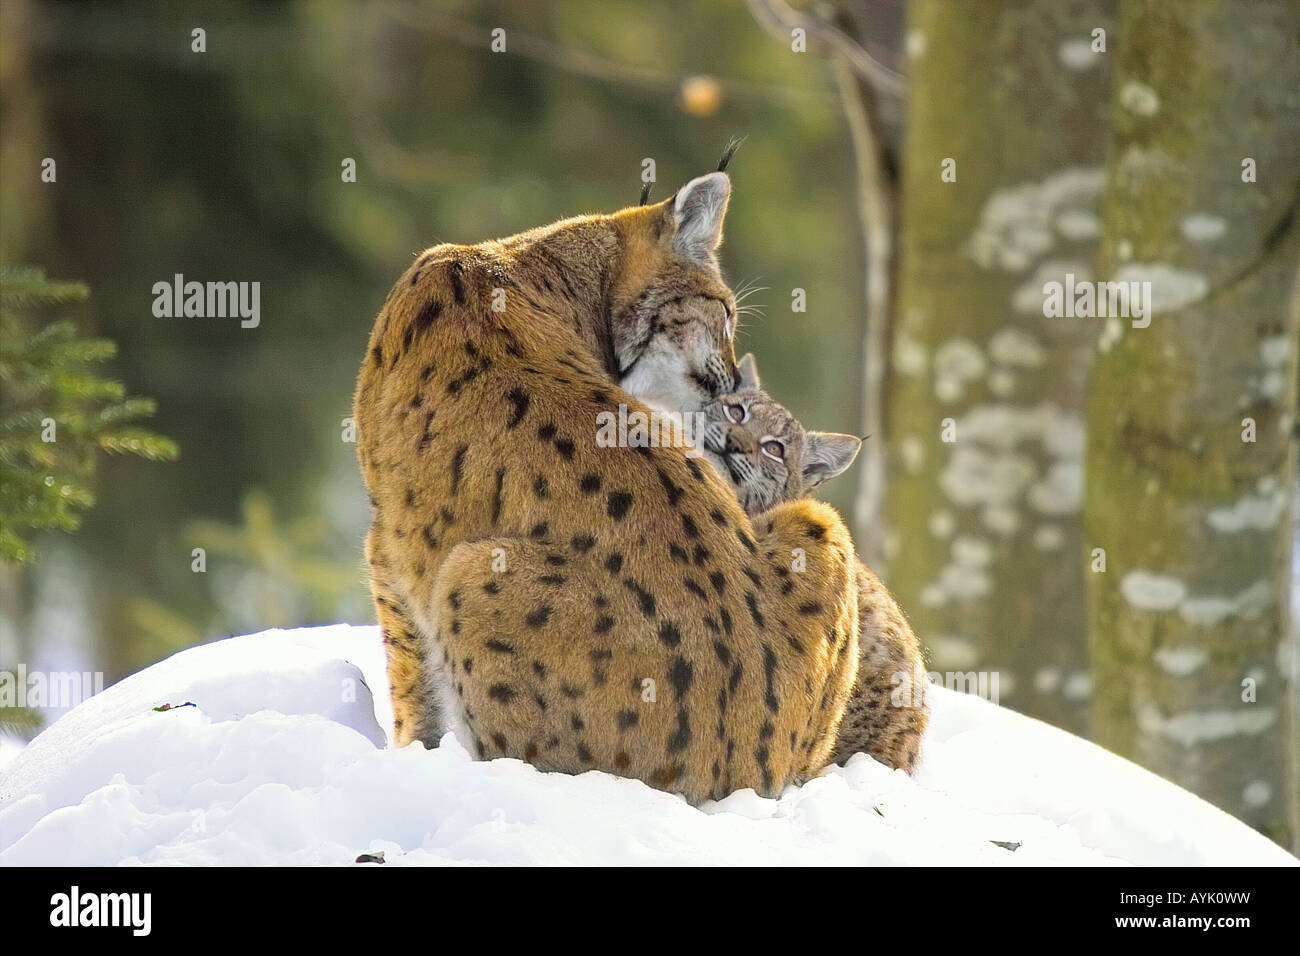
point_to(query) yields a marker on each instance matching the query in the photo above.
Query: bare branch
(780, 18)
(862, 81)
(581, 62)
(876, 213)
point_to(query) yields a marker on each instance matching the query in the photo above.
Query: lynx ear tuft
(698, 211)
(827, 454)
(733, 144)
(748, 371)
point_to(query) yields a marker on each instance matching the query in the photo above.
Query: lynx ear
(827, 454)
(748, 371)
(698, 211)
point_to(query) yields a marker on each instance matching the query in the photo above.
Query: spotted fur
(530, 582)
(761, 448)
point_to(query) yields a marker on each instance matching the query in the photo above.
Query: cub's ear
(826, 454)
(748, 371)
(698, 211)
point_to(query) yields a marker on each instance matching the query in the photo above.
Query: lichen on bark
(995, 585)
(1200, 86)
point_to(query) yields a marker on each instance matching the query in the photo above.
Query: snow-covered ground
(10, 748)
(282, 759)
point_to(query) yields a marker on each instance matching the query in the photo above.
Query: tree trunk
(986, 395)
(1189, 624)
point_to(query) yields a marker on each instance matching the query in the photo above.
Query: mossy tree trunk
(985, 544)
(1191, 454)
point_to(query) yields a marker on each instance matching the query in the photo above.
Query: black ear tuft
(645, 193)
(732, 145)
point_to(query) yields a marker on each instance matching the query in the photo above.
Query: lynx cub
(769, 458)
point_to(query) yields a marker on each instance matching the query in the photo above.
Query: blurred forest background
(1070, 503)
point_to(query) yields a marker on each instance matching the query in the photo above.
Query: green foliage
(17, 721)
(56, 414)
(287, 574)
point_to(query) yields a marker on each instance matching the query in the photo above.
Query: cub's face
(673, 331)
(760, 447)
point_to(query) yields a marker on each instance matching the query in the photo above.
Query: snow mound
(10, 748)
(281, 759)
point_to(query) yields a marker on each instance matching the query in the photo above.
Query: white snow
(282, 760)
(10, 748)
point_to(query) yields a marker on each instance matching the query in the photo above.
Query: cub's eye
(774, 449)
(736, 413)
(729, 324)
